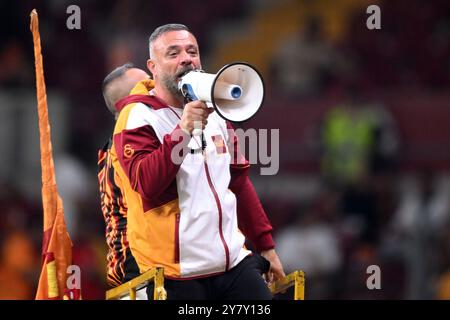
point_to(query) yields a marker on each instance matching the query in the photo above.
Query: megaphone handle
(196, 131)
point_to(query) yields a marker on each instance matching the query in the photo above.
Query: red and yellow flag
(56, 244)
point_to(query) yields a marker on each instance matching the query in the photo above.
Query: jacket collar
(140, 93)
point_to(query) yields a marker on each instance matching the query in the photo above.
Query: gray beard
(171, 85)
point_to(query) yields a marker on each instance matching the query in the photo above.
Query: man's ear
(151, 67)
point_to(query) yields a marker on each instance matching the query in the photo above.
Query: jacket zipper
(219, 207)
(177, 238)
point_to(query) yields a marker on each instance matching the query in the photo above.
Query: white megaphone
(236, 92)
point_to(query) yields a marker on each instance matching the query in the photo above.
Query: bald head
(119, 83)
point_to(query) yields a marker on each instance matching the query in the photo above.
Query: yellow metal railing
(130, 287)
(296, 279)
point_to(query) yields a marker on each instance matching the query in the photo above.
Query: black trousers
(243, 282)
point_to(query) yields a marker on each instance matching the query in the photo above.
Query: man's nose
(186, 59)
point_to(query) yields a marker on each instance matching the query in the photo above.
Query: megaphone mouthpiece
(223, 90)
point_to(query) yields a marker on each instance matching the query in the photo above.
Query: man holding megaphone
(183, 215)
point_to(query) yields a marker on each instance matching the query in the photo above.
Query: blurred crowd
(364, 172)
